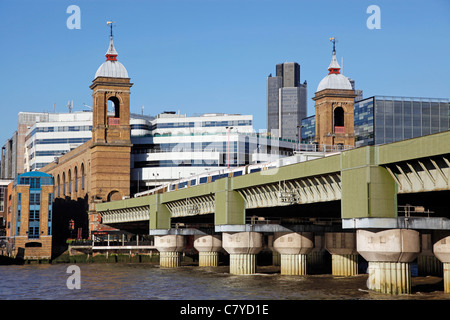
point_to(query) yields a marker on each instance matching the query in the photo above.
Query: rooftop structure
(334, 79)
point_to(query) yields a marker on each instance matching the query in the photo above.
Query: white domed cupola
(334, 79)
(111, 67)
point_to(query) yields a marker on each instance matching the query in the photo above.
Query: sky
(214, 56)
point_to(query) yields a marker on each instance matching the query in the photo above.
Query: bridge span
(387, 204)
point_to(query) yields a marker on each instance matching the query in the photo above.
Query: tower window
(339, 117)
(115, 106)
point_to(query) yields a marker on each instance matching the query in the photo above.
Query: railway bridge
(387, 204)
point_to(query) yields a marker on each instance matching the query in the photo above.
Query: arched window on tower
(113, 111)
(339, 126)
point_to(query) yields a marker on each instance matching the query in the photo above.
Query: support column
(389, 254)
(316, 260)
(275, 254)
(243, 248)
(427, 263)
(342, 247)
(170, 248)
(208, 247)
(441, 250)
(293, 248)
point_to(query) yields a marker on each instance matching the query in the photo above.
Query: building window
(338, 117)
(19, 208)
(50, 212)
(35, 198)
(2, 199)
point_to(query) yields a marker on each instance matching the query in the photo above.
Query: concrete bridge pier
(243, 248)
(293, 248)
(441, 249)
(170, 248)
(389, 254)
(342, 247)
(208, 247)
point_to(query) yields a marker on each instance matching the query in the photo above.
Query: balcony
(339, 129)
(113, 121)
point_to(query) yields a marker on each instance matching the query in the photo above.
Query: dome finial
(334, 65)
(111, 54)
(111, 68)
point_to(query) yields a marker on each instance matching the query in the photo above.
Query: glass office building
(381, 119)
(308, 130)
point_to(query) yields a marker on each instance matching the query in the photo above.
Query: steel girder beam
(125, 215)
(421, 175)
(297, 191)
(192, 206)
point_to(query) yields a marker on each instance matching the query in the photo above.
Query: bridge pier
(342, 247)
(170, 248)
(441, 250)
(243, 248)
(208, 247)
(293, 248)
(389, 254)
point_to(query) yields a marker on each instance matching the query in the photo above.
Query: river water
(141, 281)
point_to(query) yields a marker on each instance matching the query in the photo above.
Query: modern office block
(381, 119)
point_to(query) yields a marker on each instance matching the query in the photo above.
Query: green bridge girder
(366, 180)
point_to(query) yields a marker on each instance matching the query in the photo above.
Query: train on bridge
(211, 176)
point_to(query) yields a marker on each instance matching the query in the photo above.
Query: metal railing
(324, 147)
(414, 211)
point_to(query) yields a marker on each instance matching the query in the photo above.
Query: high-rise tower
(286, 101)
(334, 104)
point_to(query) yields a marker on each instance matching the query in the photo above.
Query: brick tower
(111, 145)
(334, 104)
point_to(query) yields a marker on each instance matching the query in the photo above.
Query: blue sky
(199, 56)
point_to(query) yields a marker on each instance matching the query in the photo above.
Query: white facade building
(54, 134)
(181, 146)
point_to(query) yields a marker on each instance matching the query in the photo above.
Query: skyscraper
(286, 101)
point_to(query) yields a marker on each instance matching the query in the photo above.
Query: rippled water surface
(150, 282)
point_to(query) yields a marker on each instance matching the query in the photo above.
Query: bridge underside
(135, 227)
(437, 203)
(311, 213)
(434, 204)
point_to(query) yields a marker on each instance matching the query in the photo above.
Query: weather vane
(110, 23)
(334, 43)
